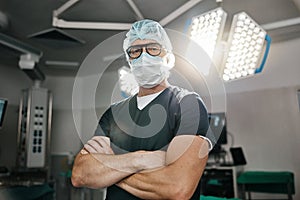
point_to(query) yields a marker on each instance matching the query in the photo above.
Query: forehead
(139, 41)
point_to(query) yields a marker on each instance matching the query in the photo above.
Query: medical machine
(34, 128)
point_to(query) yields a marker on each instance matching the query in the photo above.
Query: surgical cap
(147, 29)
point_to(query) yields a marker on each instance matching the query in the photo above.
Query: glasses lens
(153, 49)
(134, 51)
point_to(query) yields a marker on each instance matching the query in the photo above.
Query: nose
(144, 49)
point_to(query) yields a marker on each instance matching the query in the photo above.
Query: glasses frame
(141, 49)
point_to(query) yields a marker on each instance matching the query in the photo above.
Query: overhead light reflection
(245, 47)
(207, 29)
(128, 84)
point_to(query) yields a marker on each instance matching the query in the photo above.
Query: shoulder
(183, 94)
(121, 103)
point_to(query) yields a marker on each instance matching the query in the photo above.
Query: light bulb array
(245, 46)
(207, 29)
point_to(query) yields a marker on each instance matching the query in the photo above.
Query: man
(150, 145)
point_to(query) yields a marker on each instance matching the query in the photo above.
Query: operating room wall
(67, 135)
(106, 92)
(64, 138)
(266, 124)
(12, 81)
(263, 113)
(73, 124)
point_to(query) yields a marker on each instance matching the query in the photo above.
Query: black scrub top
(175, 111)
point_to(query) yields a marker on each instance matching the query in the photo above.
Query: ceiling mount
(57, 35)
(29, 56)
(61, 23)
(135, 9)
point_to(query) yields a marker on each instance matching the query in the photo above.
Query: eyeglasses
(153, 49)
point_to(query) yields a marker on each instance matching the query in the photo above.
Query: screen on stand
(3, 105)
(217, 124)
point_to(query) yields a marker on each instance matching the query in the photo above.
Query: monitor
(238, 156)
(217, 123)
(3, 105)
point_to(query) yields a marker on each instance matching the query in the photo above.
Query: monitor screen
(217, 123)
(3, 105)
(238, 156)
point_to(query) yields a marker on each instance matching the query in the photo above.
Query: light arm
(186, 159)
(98, 170)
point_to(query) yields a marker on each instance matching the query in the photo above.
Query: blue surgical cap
(147, 29)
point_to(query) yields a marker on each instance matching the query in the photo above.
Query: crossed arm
(182, 168)
(96, 166)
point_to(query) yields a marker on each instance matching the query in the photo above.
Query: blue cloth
(215, 198)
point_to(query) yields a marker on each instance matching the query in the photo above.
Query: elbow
(77, 178)
(182, 196)
(181, 192)
(76, 181)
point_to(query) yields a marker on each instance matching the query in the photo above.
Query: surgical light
(245, 46)
(128, 84)
(206, 29)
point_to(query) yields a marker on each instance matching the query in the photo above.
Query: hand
(98, 144)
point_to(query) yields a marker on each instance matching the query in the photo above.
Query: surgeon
(152, 145)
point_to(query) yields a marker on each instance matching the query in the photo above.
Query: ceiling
(30, 22)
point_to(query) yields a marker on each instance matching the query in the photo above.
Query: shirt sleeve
(194, 118)
(210, 145)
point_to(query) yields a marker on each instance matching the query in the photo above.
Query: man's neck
(147, 91)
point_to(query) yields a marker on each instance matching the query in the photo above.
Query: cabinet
(220, 181)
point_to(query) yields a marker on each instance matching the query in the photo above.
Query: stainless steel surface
(48, 160)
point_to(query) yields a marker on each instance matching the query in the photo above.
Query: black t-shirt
(173, 112)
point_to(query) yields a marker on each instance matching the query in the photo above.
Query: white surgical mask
(148, 70)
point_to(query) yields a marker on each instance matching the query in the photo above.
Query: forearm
(99, 170)
(178, 180)
(164, 183)
(102, 170)
(148, 185)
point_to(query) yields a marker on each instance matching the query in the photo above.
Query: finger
(104, 143)
(96, 145)
(89, 148)
(83, 151)
(102, 140)
(99, 144)
(109, 151)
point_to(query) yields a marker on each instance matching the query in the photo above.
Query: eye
(134, 52)
(154, 49)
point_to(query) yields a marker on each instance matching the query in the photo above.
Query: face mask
(149, 71)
